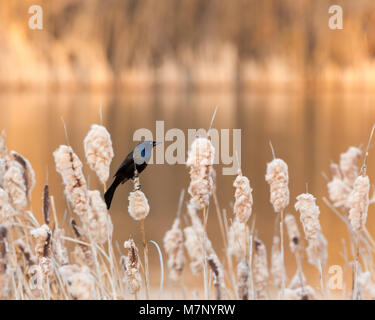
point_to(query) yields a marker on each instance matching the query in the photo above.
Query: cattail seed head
(358, 203)
(195, 249)
(293, 232)
(218, 275)
(243, 276)
(317, 251)
(237, 239)
(99, 151)
(97, 222)
(260, 269)
(348, 164)
(81, 284)
(70, 168)
(200, 160)
(138, 205)
(309, 215)
(14, 184)
(174, 247)
(42, 236)
(277, 177)
(28, 171)
(244, 199)
(132, 276)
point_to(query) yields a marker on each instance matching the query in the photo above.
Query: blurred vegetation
(185, 42)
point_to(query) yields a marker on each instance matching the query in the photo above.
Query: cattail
(243, 276)
(293, 232)
(42, 236)
(70, 168)
(348, 164)
(58, 247)
(174, 247)
(198, 227)
(46, 204)
(43, 242)
(195, 249)
(359, 202)
(14, 184)
(277, 269)
(298, 290)
(99, 151)
(338, 192)
(28, 171)
(309, 215)
(4, 276)
(317, 250)
(6, 210)
(244, 199)
(132, 276)
(200, 160)
(277, 178)
(218, 275)
(305, 293)
(366, 286)
(237, 239)
(82, 253)
(138, 205)
(260, 270)
(26, 252)
(98, 222)
(80, 283)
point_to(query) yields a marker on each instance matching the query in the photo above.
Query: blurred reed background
(274, 68)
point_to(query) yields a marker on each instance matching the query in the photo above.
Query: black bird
(138, 159)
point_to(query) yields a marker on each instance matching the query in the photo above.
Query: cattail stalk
(278, 178)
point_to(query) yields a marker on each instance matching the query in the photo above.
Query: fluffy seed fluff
(218, 275)
(293, 232)
(237, 239)
(309, 215)
(243, 276)
(174, 247)
(70, 168)
(14, 184)
(317, 251)
(260, 270)
(99, 151)
(132, 276)
(277, 177)
(43, 241)
(359, 202)
(200, 160)
(348, 164)
(194, 248)
(138, 205)
(97, 222)
(243, 198)
(80, 283)
(338, 190)
(28, 171)
(6, 210)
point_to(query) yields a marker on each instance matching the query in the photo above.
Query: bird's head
(142, 152)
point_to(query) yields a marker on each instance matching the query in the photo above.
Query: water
(307, 131)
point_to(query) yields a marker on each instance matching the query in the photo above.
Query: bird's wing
(126, 163)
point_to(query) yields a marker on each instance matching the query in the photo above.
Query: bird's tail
(110, 192)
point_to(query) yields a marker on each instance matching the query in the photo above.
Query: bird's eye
(143, 153)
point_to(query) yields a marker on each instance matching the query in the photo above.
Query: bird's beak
(156, 143)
